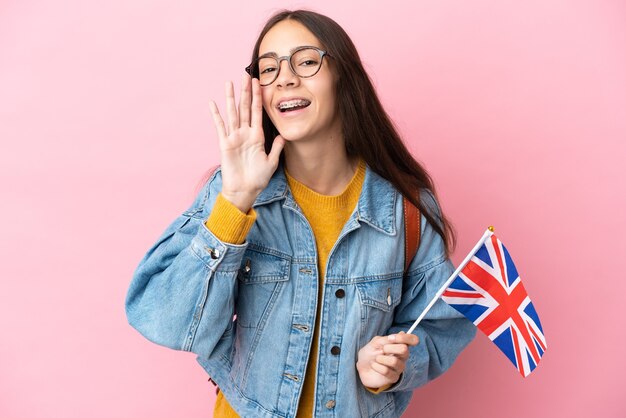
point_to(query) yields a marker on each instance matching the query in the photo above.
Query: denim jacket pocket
(260, 280)
(381, 294)
(378, 301)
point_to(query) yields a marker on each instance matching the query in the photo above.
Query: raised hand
(246, 168)
(381, 361)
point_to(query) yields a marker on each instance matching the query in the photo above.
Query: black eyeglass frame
(251, 70)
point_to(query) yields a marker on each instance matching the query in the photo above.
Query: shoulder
(428, 199)
(431, 250)
(209, 178)
(206, 191)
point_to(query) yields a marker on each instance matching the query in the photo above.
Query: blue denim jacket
(248, 311)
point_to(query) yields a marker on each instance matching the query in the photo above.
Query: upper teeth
(293, 103)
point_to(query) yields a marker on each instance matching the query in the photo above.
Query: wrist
(241, 200)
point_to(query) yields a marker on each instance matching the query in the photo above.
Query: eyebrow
(291, 51)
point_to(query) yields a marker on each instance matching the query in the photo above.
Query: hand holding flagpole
(486, 288)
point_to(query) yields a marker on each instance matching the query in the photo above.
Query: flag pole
(487, 234)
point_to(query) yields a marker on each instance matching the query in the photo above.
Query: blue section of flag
(483, 255)
(511, 271)
(530, 311)
(460, 284)
(471, 312)
(539, 349)
(531, 363)
(504, 342)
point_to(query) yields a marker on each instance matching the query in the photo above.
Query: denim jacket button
(330, 404)
(340, 293)
(335, 350)
(215, 253)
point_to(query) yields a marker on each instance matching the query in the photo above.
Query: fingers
(396, 344)
(394, 363)
(257, 104)
(400, 350)
(217, 120)
(386, 371)
(378, 342)
(231, 109)
(245, 101)
(403, 338)
(250, 110)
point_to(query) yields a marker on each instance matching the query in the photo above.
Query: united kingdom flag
(489, 292)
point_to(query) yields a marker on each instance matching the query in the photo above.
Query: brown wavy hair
(367, 129)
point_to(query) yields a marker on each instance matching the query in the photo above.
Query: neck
(325, 169)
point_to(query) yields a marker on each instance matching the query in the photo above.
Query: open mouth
(291, 105)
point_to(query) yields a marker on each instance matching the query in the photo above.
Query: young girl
(287, 275)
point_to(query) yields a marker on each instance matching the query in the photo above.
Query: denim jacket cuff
(396, 386)
(214, 252)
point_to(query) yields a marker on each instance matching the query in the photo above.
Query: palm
(245, 165)
(246, 168)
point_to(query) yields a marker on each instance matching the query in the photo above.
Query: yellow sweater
(327, 216)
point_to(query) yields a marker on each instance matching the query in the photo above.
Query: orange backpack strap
(412, 220)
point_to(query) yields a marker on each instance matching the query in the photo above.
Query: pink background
(518, 109)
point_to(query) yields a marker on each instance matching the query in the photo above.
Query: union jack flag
(489, 292)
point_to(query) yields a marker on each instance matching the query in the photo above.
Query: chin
(290, 138)
(291, 135)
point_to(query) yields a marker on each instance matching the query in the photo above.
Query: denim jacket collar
(375, 207)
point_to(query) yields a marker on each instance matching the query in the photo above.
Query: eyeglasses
(304, 62)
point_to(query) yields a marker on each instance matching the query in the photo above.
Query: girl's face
(319, 117)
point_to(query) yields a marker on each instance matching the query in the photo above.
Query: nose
(286, 77)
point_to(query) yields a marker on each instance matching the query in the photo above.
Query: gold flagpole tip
(491, 228)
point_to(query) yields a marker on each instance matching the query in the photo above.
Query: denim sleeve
(182, 294)
(444, 332)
